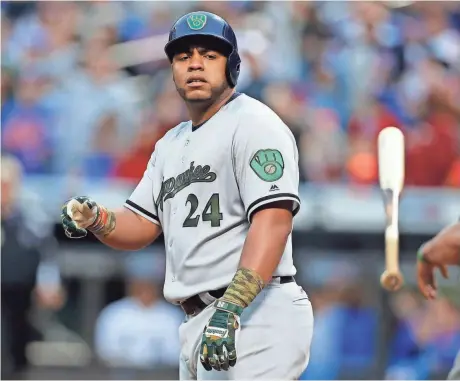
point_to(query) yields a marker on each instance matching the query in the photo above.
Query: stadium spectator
(29, 269)
(131, 331)
(28, 128)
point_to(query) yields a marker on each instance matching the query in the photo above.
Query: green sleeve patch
(268, 164)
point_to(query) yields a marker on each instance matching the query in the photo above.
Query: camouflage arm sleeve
(244, 288)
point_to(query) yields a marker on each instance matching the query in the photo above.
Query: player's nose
(195, 61)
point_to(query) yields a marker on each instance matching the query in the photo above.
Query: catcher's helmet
(208, 25)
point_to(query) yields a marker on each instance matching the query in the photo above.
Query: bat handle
(392, 279)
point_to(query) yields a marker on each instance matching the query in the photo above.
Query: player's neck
(199, 115)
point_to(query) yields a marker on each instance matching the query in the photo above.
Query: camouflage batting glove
(80, 214)
(218, 343)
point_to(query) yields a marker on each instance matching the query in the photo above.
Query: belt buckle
(196, 304)
(185, 310)
(194, 313)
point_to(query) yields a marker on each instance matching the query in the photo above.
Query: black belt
(194, 305)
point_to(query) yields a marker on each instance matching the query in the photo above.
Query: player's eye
(182, 57)
(210, 56)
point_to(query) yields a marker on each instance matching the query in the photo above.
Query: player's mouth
(196, 81)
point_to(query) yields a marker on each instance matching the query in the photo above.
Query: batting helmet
(208, 25)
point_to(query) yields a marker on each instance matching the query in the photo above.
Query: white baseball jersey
(203, 184)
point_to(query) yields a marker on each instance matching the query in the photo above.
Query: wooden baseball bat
(391, 163)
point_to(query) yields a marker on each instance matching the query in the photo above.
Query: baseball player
(223, 189)
(441, 251)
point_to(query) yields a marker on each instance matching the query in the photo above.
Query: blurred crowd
(423, 338)
(87, 89)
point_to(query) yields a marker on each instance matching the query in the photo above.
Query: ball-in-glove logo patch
(268, 164)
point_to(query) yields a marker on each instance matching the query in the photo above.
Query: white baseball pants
(274, 341)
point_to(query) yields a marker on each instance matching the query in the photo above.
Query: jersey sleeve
(266, 163)
(142, 200)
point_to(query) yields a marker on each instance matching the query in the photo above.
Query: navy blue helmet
(198, 25)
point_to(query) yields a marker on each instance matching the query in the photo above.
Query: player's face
(199, 74)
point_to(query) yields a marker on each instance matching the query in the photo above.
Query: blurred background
(86, 92)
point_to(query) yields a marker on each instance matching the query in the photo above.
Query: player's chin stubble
(214, 95)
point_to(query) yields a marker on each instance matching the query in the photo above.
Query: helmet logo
(196, 21)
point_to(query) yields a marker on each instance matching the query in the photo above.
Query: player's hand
(218, 343)
(427, 263)
(77, 215)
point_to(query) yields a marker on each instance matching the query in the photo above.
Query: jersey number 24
(210, 213)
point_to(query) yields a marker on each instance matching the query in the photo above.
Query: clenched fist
(80, 214)
(77, 215)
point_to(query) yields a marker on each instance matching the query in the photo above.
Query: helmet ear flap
(233, 68)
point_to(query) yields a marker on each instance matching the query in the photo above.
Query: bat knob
(391, 281)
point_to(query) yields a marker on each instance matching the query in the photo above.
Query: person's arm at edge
(444, 248)
(439, 252)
